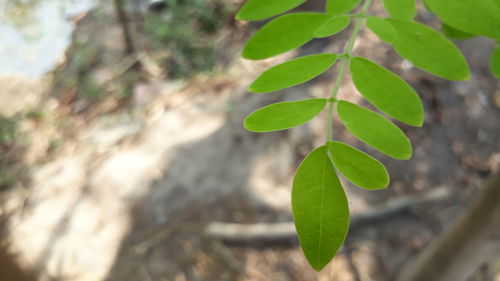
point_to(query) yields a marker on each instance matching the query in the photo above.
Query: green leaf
(429, 50)
(332, 26)
(292, 73)
(320, 208)
(381, 28)
(495, 62)
(454, 33)
(374, 130)
(283, 115)
(387, 91)
(283, 34)
(472, 16)
(358, 167)
(401, 9)
(341, 7)
(263, 9)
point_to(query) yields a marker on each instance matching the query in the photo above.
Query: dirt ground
(129, 194)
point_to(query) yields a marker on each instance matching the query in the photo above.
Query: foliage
(463, 19)
(284, 115)
(319, 204)
(18, 12)
(320, 208)
(8, 138)
(188, 41)
(292, 73)
(8, 130)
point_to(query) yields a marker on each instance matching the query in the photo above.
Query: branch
(285, 231)
(124, 23)
(471, 241)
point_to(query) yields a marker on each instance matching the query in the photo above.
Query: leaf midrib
(318, 253)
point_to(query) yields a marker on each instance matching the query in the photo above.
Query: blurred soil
(121, 183)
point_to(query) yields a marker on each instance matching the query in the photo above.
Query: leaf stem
(345, 61)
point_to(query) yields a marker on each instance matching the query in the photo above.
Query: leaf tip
(418, 122)
(414, 122)
(256, 89)
(249, 53)
(407, 156)
(467, 76)
(239, 17)
(247, 125)
(253, 89)
(246, 54)
(318, 267)
(387, 181)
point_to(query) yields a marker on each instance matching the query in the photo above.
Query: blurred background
(123, 157)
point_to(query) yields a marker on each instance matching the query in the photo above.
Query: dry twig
(285, 231)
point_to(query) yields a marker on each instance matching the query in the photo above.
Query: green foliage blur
(8, 137)
(185, 28)
(8, 131)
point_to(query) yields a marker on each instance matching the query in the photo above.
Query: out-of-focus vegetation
(96, 77)
(29, 137)
(8, 131)
(9, 138)
(18, 12)
(183, 28)
(178, 41)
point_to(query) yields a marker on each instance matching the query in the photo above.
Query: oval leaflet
(283, 115)
(387, 91)
(454, 33)
(495, 62)
(283, 34)
(428, 50)
(472, 16)
(381, 28)
(358, 167)
(291, 73)
(374, 130)
(332, 27)
(401, 9)
(340, 7)
(320, 208)
(263, 9)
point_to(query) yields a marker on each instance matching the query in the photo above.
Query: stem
(345, 61)
(124, 22)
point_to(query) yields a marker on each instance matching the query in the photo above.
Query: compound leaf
(358, 167)
(429, 50)
(401, 9)
(340, 7)
(263, 9)
(374, 130)
(387, 91)
(291, 73)
(332, 26)
(381, 28)
(471, 16)
(320, 208)
(283, 115)
(495, 62)
(283, 34)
